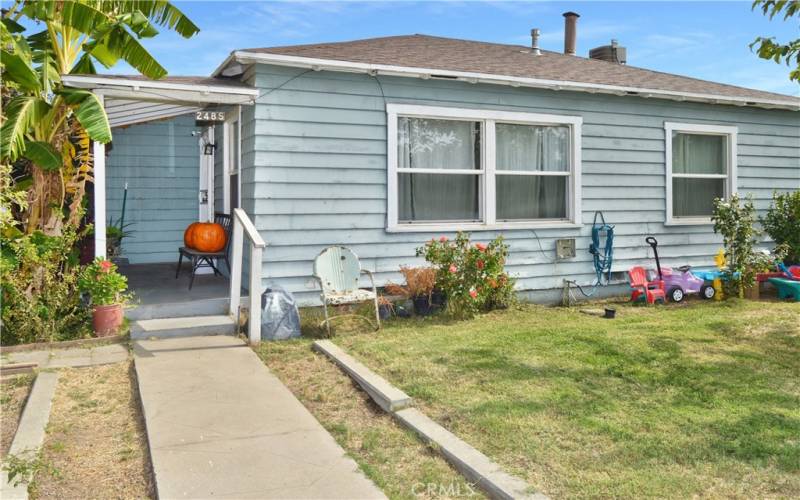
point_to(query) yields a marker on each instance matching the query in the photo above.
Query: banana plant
(45, 127)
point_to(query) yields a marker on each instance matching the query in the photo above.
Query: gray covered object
(279, 317)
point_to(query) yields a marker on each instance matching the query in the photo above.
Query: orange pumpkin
(187, 235)
(208, 237)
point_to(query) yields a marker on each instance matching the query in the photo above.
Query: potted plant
(385, 308)
(106, 288)
(420, 282)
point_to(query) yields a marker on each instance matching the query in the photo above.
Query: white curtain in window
(442, 145)
(694, 197)
(532, 148)
(523, 197)
(700, 155)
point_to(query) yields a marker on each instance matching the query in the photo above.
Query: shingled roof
(448, 54)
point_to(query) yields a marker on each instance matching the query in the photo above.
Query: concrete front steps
(189, 326)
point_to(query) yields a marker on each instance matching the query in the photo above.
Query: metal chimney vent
(535, 42)
(611, 53)
(570, 32)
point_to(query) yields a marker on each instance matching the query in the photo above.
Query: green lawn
(700, 398)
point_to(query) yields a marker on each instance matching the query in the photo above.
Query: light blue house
(382, 144)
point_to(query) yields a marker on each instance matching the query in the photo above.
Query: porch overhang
(130, 99)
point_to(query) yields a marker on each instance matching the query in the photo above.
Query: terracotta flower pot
(107, 319)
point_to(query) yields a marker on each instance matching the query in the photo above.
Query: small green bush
(782, 223)
(735, 220)
(472, 277)
(103, 283)
(40, 297)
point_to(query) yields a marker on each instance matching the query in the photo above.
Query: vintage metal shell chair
(337, 269)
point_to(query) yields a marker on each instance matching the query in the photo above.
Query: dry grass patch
(96, 444)
(14, 392)
(400, 464)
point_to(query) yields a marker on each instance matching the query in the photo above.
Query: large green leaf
(43, 154)
(22, 113)
(17, 70)
(139, 24)
(160, 12)
(99, 50)
(121, 44)
(12, 26)
(90, 113)
(84, 66)
(82, 16)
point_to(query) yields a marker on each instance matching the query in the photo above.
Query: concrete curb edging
(473, 464)
(470, 462)
(66, 344)
(382, 392)
(31, 430)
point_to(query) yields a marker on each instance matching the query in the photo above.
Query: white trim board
(96, 81)
(316, 64)
(731, 186)
(487, 200)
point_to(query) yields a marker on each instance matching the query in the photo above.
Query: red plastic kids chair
(651, 290)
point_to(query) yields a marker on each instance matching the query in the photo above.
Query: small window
(454, 169)
(701, 167)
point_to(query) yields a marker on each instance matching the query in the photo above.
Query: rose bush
(472, 277)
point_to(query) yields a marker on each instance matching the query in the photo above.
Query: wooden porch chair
(206, 259)
(338, 269)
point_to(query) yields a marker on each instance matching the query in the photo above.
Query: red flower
(480, 264)
(492, 283)
(105, 266)
(480, 246)
(443, 239)
(453, 268)
(473, 294)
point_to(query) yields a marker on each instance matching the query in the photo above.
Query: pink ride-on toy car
(680, 281)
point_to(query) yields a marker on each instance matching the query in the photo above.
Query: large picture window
(701, 166)
(452, 168)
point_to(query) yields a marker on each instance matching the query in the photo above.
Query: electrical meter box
(565, 249)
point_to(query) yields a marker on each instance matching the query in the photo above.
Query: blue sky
(707, 40)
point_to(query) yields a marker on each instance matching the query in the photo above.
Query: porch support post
(236, 267)
(254, 331)
(99, 155)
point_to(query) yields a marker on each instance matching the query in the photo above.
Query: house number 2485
(210, 116)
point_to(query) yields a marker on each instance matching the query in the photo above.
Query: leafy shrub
(735, 220)
(103, 283)
(40, 298)
(782, 223)
(472, 277)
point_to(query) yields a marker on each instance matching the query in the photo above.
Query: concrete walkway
(220, 424)
(69, 358)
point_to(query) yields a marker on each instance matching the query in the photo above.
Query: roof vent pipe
(535, 42)
(570, 32)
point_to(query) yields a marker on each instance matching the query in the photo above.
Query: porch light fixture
(209, 148)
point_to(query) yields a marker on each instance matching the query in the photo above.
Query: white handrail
(243, 225)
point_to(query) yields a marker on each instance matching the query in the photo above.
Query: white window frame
(488, 119)
(731, 133)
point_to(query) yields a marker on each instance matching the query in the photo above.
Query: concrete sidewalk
(73, 357)
(219, 424)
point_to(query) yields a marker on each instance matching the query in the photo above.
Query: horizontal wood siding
(318, 173)
(160, 163)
